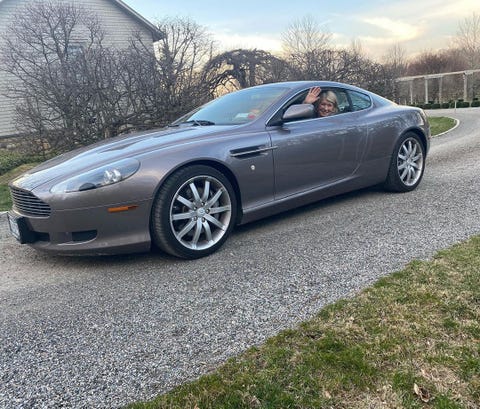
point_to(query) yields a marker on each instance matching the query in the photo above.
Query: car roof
(294, 85)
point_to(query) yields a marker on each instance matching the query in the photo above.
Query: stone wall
(11, 143)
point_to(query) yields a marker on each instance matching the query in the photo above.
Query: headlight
(93, 179)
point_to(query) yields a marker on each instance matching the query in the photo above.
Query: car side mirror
(298, 111)
(293, 112)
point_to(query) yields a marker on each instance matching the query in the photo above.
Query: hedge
(11, 160)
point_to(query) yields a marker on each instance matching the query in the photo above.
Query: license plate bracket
(13, 226)
(19, 229)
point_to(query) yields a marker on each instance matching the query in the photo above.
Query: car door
(314, 153)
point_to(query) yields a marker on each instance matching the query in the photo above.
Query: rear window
(359, 101)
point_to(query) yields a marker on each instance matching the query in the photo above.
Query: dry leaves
(422, 393)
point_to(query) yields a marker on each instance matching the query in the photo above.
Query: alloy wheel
(410, 162)
(200, 212)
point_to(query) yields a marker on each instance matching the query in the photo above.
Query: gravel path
(103, 332)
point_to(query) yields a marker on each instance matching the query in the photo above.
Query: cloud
(231, 41)
(393, 30)
(426, 10)
(444, 10)
(417, 25)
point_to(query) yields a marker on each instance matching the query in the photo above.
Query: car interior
(348, 101)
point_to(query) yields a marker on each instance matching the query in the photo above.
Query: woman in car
(325, 102)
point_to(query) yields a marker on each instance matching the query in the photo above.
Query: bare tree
(163, 83)
(430, 62)
(394, 66)
(396, 60)
(305, 35)
(64, 78)
(434, 62)
(38, 52)
(303, 43)
(70, 89)
(242, 68)
(181, 55)
(468, 40)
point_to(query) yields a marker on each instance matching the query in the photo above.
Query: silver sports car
(241, 157)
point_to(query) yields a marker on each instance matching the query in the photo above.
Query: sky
(378, 25)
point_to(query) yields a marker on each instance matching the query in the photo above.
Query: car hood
(117, 148)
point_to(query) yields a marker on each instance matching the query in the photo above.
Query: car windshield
(234, 108)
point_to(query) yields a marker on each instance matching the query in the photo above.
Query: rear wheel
(407, 164)
(194, 212)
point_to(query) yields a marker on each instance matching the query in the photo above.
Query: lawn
(441, 124)
(5, 199)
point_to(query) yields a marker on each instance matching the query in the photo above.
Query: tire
(193, 212)
(407, 164)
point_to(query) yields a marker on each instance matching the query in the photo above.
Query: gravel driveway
(103, 332)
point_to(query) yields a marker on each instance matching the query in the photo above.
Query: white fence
(442, 91)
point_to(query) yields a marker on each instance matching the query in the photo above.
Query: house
(118, 21)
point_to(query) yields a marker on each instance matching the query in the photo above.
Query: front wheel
(407, 164)
(194, 212)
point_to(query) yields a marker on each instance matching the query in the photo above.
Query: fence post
(426, 90)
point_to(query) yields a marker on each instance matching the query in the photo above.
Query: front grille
(28, 204)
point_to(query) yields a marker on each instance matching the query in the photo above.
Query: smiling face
(325, 108)
(327, 104)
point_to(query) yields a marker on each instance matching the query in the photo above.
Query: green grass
(440, 124)
(414, 334)
(5, 199)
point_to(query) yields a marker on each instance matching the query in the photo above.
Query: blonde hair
(331, 97)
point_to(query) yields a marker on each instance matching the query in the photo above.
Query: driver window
(296, 100)
(332, 101)
(328, 103)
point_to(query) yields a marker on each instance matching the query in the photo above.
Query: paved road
(102, 332)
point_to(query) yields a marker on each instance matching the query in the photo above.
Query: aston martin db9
(246, 155)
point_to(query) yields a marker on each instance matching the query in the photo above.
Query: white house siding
(117, 24)
(7, 9)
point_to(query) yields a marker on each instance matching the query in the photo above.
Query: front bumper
(86, 231)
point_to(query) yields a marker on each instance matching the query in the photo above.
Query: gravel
(104, 332)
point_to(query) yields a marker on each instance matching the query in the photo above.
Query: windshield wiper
(199, 122)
